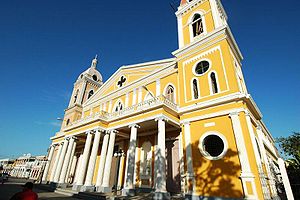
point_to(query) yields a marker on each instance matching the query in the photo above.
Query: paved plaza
(8, 189)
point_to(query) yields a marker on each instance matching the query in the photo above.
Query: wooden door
(173, 166)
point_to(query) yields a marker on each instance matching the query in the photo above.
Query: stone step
(66, 192)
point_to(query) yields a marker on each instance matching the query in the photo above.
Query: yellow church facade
(185, 125)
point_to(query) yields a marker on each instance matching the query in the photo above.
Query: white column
(84, 161)
(77, 169)
(110, 106)
(215, 13)
(130, 161)
(180, 31)
(71, 165)
(126, 100)
(265, 159)
(246, 174)
(190, 178)
(107, 168)
(61, 160)
(92, 162)
(134, 97)
(49, 160)
(140, 95)
(257, 157)
(285, 179)
(55, 163)
(157, 87)
(67, 160)
(160, 157)
(102, 161)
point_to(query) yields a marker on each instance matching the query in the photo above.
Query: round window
(213, 146)
(202, 67)
(94, 77)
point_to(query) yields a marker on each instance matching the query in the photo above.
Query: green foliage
(291, 147)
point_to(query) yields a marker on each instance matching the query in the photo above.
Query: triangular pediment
(128, 74)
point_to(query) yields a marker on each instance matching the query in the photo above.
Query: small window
(202, 67)
(214, 83)
(95, 78)
(68, 122)
(197, 25)
(119, 107)
(195, 89)
(90, 94)
(170, 93)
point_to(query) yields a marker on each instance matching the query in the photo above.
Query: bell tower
(85, 86)
(197, 18)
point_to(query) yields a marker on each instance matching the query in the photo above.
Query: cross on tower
(121, 81)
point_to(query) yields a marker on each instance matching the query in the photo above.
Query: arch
(197, 24)
(118, 106)
(213, 82)
(91, 92)
(195, 88)
(170, 92)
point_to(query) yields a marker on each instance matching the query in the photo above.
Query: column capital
(247, 113)
(232, 114)
(163, 118)
(112, 131)
(88, 132)
(259, 127)
(185, 123)
(53, 145)
(134, 125)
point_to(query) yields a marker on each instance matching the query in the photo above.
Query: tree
(291, 147)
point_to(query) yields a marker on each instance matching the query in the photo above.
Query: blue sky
(45, 45)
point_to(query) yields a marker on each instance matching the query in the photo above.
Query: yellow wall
(219, 177)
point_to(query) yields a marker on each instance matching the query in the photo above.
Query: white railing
(140, 107)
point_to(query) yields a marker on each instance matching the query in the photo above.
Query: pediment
(128, 74)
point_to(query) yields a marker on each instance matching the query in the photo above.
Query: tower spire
(94, 62)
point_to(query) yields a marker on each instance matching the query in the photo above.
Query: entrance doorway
(173, 166)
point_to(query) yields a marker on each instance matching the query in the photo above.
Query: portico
(127, 157)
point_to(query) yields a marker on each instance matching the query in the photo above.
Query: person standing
(26, 194)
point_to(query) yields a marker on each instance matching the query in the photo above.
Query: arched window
(90, 94)
(214, 84)
(67, 122)
(119, 106)
(197, 25)
(195, 89)
(170, 93)
(76, 96)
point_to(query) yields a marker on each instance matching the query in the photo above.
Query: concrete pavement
(8, 189)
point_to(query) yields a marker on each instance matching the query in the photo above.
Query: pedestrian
(26, 194)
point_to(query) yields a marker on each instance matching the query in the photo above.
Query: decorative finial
(94, 62)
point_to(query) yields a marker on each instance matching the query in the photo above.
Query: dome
(92, 72)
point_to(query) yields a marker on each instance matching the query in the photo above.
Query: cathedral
(184, 125)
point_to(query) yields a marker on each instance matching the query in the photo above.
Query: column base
(44, 182)
(106, 189)
(128, 192)
(161, 195)
(87, 188)
(62, 185)
(99, 189)
(76, 187)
